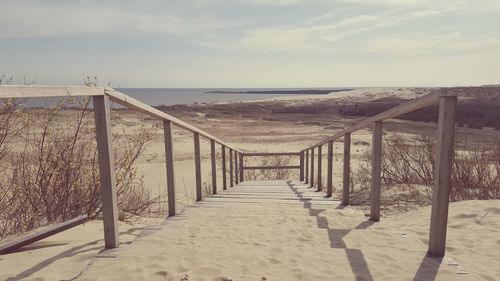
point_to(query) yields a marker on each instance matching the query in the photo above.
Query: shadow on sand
(428, 267)
(87, 247)
(355, 257)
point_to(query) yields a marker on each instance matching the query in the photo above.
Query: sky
(252, 43)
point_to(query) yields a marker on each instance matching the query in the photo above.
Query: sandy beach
(282, 241)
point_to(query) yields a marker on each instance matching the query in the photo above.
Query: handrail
(43, 91)
(38, 91)
(272, 154)
(130, 102)
(101, 98)
(410, 106)
(396, 111)
(300, 167)
(447, 99)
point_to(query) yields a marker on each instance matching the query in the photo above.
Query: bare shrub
(55, 175)
(270, 174)
(408, 172)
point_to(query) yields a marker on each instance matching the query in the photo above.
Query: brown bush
(55, 175)
(408, 172)
(270, 174)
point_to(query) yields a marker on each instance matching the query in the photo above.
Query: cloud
(399, 30)
(34, 19)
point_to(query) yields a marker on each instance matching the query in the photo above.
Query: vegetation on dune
(408, 172)
(54, 175)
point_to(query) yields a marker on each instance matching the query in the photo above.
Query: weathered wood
(329, 179)
(224, 172)
(169, 163)
(106, 171)
(38, 91)
(301, 161)
(312, 168)
(347, 169)
(139, 106)
(376, 171)
(442, 175)
(271, 167)
(197, 166)
(231, 172)
(15, 244)
(320, 165)
(307, 167)
(236, 168)
(273, 154)
(241, 166)
(214, 166)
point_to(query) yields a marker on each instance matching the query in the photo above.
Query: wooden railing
(101, 98)
(276, 167)
(447, 99)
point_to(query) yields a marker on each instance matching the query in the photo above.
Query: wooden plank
(231, 172)
(442, 176)
(197, 166)
(224, 172)
(376, 171)
(17, 243)
(347, 169)
(329, 179)
(273, 154)
(38, 91)
(320, 165)
(139, 106)
(236, 168)
(241, 166)
(106, 171)
(214, 166)
(169, 163)
(307, 167)
(312, 168)
(396, 111)
(270, 167)
(301, 172)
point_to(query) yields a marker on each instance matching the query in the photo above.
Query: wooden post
(236, 168)
(106, 171)
(347, 169)
(442, 175)
(169, 163)
(197, 166)
(301, 172)
(231, 174)
(320, 164)
(307, 166)
(329, 184)
(312, 168)
(241, 166)
(376, 171)
(224, 172)
(214, 167)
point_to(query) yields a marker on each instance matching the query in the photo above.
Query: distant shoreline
(280, 92)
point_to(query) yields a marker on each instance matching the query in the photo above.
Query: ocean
(187, 96)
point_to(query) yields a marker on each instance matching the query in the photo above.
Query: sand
(289, 232)
(203, 242)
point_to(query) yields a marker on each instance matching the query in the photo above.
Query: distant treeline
(472, 114)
